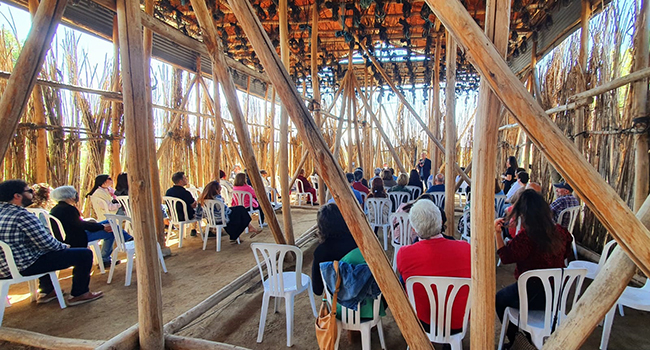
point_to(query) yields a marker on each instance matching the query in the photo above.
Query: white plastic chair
(415, 191)
(465, 219)
(273, 195)
(632, 297)
(240, 198)
(499, 200)
(300, 194)
(351, 320)
(539, 323)
(402, 221)
(45, 217)
(462, 197)
(573, 213)
(315, 180)
(211, 208)
(16, 277)
(364, 197)
(195, 192)
(126, 204)
(592, 268)
(397, 198)
(375, 208)
(441, 306)
(280, 284)
(172, 207)
(117, 224)
(438, 199)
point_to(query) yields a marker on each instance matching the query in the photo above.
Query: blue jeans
(108, 238)
(80, 258)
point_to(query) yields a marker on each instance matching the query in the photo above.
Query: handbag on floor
(326, 331)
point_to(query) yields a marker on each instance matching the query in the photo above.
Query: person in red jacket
(434, 255)
(306, 185)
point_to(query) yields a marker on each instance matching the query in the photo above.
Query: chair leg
(219, 238)
(504, 328)
(380, 331)
(112, 270)
(456, 344)
(4, 292)
(169, 232)
(129, 268)
(57, 289)
(205, 236)
(275, 305)
(385, 229)
(620, 310)
(265, 309)
(365, 336)
(181, 233)
(311, 300)
(288, 305)
(160, 257)
(607, 328)
(338, 334)
(97, 254)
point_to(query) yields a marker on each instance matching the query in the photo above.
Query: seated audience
(522, 180)
(265, 178)
(122, 185)
(540, 244)
(392, 173)
(178, 191)
(387, 177)
(377, 190)
(335, 242)
(434, 255)
(377, 174)
(103, 198)
(357, 194)
(306, 186)
(438, 184)
(564, 199)
(237, 217)
(226, 187)
(414, 179)
(77, 231)
(42, 197)
(357, 185)
(363, 180)
(241, 185)
(534, 186)
(235, 170)
(402, 182)
(36, 251)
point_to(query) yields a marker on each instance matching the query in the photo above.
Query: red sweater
(525, 253)
(360, 187)
(436, 257)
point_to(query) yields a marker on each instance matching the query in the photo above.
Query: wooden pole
(283, 164)
(601, 198)
(641, 158)
(339, 128)
(357, 135)
(583, 56)
(174, 342)
(220, 68)
(137, 113)
(450, 129)
(198, 142)
(116, 165)
(437, 161)
(125, 340)
(484, 154)
(315, 83)
(30, 61)
(218, 127)
(334, 177)
(43, 341)
(272, 138)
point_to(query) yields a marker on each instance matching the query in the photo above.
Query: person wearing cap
(564, 199)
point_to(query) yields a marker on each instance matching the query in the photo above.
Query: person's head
(439, 179)
(103, 181)
(536, 219)
(264, 173)
(425, 218)
(41, 194)
(330, 222)
(413, 175)
(385, 166)
(423, 155)
(236, 169)
(523, 177)
(16, 192)
(377, 187)
(301, 172)
(392, 171)
(65, 194)
(350, 177)
(403, 179)
(179, 179)
(512, 162)
(497, 186)
(534, 186)
(377, 171)
(358, 175)
(222, 174)
(211, 190)
(122, 182)
(562, 189)
(385, 175)
(240, 179)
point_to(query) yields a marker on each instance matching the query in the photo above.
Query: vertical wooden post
(39, 119)
(283, 165)
(486, 132)
(272, 138)
(583, 57)
(315, 83)
(137, 114)
(436, 161)
(198, 144)
(213, 44)
(350, 150)
(450, 130)
(334, 177)
(30, 61)
(218, 127)
(116, 165)
(641, 158)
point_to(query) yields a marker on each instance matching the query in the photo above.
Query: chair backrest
(499, 200)
(375, 207)
(301, 188)
(241, 196)
(272, 257)
(463, 225)
(214, 212)
(46, 219)
(398, 198)
(126, 204)
(173, 206)
(607, 250)
(11, 263)
(573, 213)
(402, 222)
(554, 281)
(442, 292)
(438, 199)
(272, 194)
(364, 197)
(572, 280)
(117, 223)
(415, 191)
(195, 192)
(314, 181)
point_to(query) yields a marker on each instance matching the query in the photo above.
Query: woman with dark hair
(122, 185)
(377, 189)
(102, 197)
(414, 179)
(388, 179)
(508, 178)
(241, 185)
(540, 244)
(237, 217)
(41, 198)
(335, 242)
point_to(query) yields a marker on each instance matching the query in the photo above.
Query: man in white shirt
(522, 180)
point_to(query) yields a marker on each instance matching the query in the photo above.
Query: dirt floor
(195, 274)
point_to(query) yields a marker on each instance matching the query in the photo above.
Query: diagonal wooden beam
(213, 43)
(28, 66)
(599, 196)
(334, 177)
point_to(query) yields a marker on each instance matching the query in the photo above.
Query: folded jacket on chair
(357, 283)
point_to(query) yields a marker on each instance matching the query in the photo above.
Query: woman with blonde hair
(402, 182)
